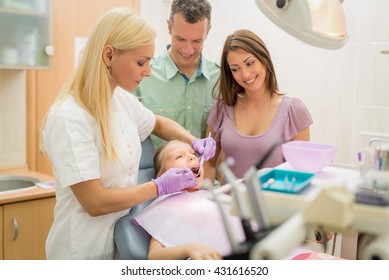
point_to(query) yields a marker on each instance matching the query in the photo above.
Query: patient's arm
(194, 251)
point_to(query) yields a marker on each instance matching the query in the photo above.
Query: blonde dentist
(92, 135)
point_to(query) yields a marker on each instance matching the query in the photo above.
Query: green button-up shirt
(171, 94)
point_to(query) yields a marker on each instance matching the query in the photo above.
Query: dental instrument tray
(285, 181)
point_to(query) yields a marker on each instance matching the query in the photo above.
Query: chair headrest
(148, 151)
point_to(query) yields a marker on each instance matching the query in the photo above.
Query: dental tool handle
(267, 155)
(241, 205)
(281, 241)
(200, 165)
(258, 204)
(257, 201)
(248, 230)
(244, 211)
(202, 159)
(235, 247)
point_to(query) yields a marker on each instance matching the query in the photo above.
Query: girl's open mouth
(196, 172)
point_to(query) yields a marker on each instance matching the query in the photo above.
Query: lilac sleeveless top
(292, 117)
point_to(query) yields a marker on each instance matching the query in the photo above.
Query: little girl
(185, 225)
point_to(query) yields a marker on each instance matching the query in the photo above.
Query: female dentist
(92, 135)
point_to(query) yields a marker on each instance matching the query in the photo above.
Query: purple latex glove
(175, 180)
(205, 147)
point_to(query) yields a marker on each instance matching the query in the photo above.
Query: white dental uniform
(72, 141)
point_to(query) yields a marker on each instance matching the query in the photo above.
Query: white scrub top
(72, 142)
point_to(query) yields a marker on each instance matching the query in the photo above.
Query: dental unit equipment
(285, 220)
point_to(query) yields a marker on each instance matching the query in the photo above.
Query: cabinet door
(25, 27)
(26, 225)
(1, 232)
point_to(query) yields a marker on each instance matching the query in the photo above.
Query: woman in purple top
(250, 114)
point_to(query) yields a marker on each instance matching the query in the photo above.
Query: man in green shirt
(182, 79)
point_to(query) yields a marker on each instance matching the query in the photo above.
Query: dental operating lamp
(320, 23)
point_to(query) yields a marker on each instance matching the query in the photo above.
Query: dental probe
(202, 160)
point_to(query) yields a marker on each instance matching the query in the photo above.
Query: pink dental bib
(189, 217)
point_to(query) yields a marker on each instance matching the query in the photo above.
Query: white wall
(346, 90)
(12, 118)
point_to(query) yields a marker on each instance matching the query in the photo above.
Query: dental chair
(131, 240)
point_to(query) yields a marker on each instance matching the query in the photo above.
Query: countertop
(30, 193)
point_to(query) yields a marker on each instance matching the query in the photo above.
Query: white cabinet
(25, 28)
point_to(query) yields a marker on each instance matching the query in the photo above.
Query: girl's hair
(89, 84)
(159, 157)
(227, 89)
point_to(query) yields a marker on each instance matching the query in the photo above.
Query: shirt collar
(171, 68)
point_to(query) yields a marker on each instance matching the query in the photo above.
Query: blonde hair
(89, 84)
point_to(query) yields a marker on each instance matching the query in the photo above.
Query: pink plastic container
(308, 156)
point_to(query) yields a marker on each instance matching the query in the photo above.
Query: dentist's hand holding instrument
(205, 148)
(175, 180)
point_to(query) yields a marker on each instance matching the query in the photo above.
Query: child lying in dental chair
(188, 225)
(199, 228)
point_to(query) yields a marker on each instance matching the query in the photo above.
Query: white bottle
(31, 51)
(368, 161)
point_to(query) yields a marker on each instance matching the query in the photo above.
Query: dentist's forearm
(168, 129)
